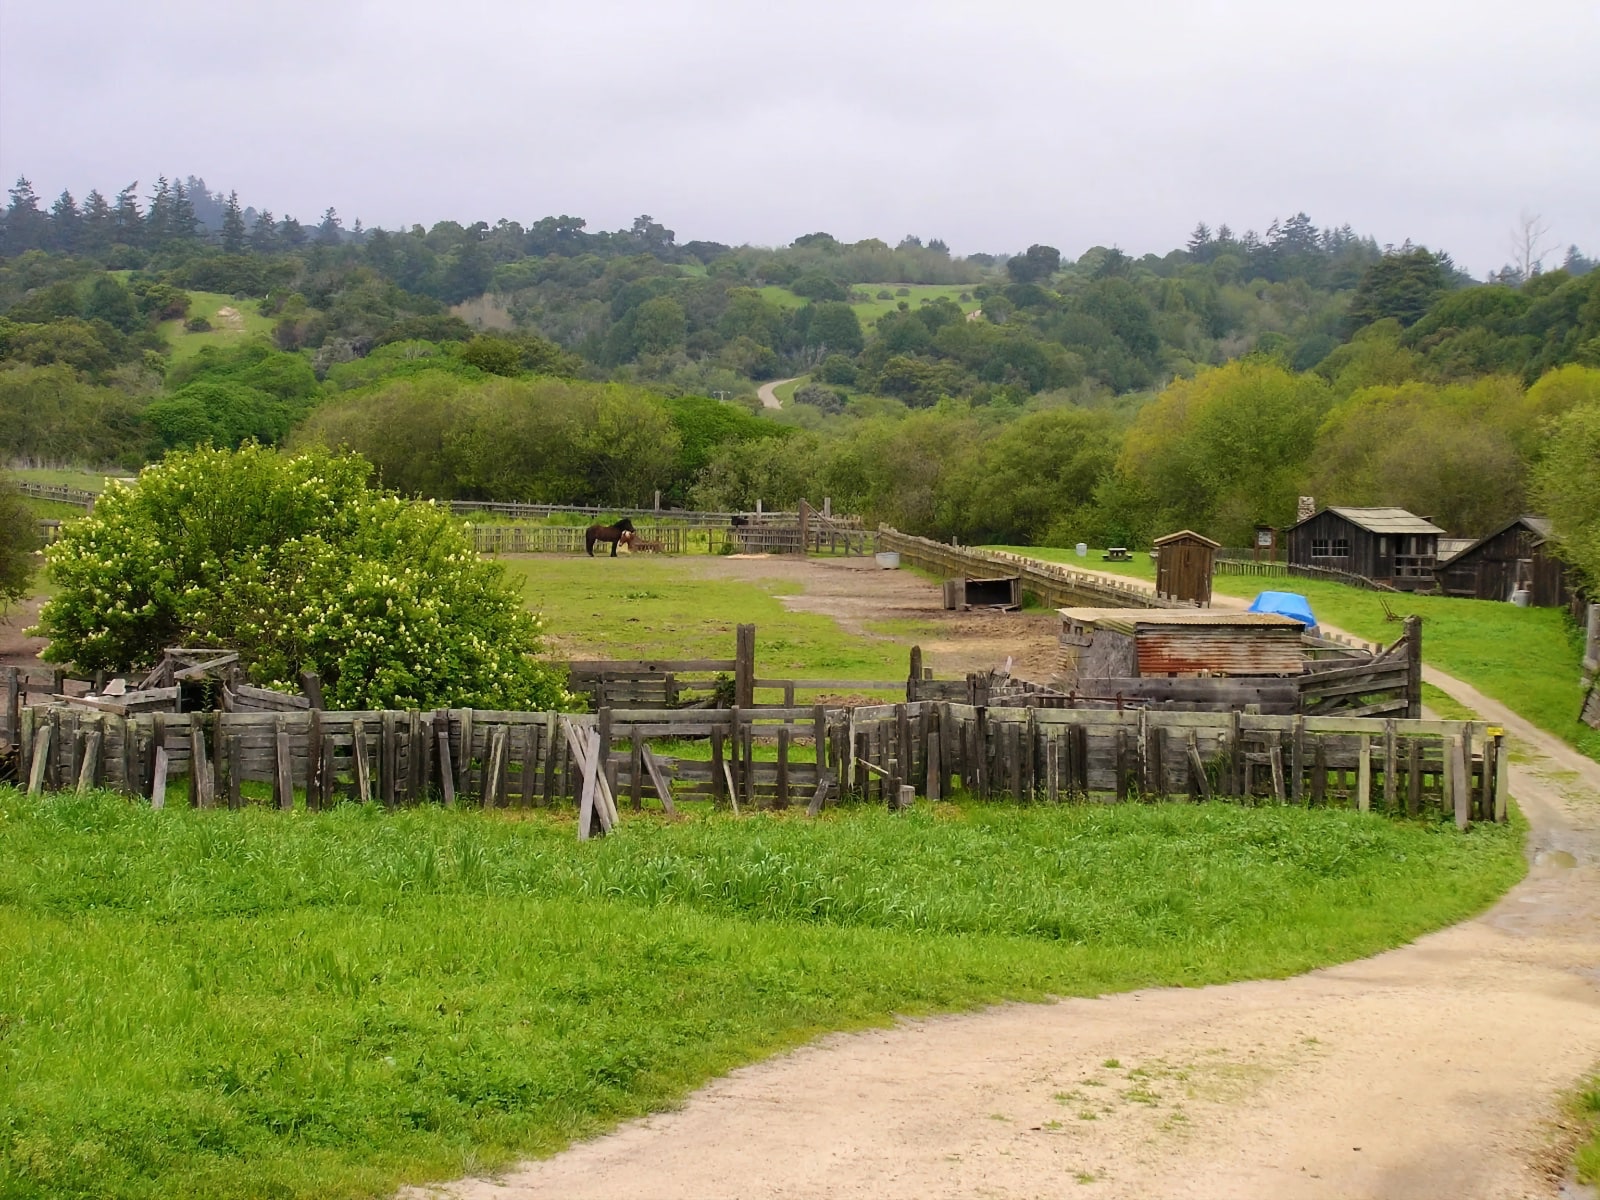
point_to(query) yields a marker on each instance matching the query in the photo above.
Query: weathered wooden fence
(885, 753)
(57, 492)
(1057, 586)
(1226, 564)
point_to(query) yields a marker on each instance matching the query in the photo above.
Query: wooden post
(551, 749)
(1275, 758)
(283, 774)
(1319, 767)
(750, 765)
(464, 763)
(914, 675)
(447, 775)
(1364, 775)
(91, 759)
(636, 771)
(907, 798)
(1391, 766)
(158, 760)
(805, 528)
(235, 771)
(782, 798)
(388, 760)
(202, 788)
(314, 785)
(1502, 772)
(362, 764)
(1197, 768)
(932, 785)
(1297, 759)
(716, 767)
(744, 669)
(416, 779)
(13, 710)
(1413, 775)
(1413, 636)
(1122, 762)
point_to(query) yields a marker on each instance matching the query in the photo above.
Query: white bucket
(888, 559)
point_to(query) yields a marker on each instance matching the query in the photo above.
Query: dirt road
(768, 392)
(1432, 1070)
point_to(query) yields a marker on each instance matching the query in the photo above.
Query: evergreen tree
(328, 231)
(26, 227)
(264, 237)
(185, 225)
(291, 233)
(127, 221)
(158, 218)
(66, 223)
(98, 223)
(233, 231)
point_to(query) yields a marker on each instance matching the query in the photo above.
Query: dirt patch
(901, 606)
(16, 648)
(230, 318)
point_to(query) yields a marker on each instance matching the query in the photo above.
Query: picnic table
(1116, 554)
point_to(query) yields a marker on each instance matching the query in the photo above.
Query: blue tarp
(1289, 604)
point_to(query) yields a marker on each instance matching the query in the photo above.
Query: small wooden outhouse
(1183, 567)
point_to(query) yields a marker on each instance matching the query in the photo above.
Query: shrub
(19, 538)
(197, 325)
(904, 291)
(298, 564)
(885, 294)
(837, 368)
(828, 400)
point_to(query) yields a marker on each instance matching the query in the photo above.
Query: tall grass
(269, 1004)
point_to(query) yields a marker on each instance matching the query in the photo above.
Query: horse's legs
(614, 546)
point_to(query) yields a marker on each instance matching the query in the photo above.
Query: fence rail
(1278, 570)
(886, 753)
(1057, 586)
(58, 492)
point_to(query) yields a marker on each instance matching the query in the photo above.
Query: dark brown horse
(607, 533)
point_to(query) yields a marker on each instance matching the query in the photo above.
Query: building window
(1330, 547)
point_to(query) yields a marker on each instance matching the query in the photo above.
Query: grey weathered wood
(658, 779)
(1275, 758)
(1413, 776)
(447, 778)
(1460, 776)
(362, 763)
(235, 772)
(1391, 766)
(1364, 776)
(494, 768)
(283, 776)
(158, 777)
(202, 785)
(819, 797)
(1197, 766)
(91, 761)
(389, 759)
(1502, 774)
(907, 798)
(733, 792)
(464, 764)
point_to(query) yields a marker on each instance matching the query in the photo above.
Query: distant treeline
(1019, 398)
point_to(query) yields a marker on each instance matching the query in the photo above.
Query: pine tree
(328, 231)
(26, 226)
(291, 233)
(127, 221)
(233, 232)
(98, 223)
(264, 237)
(158, 218)
(66, 223)
(185, 225)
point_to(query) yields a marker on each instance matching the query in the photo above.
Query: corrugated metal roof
(1386, 520)
(1219, 649)
(1450, 547)
(1538, 526)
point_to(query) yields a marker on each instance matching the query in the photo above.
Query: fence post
(1413, 632)
(744, 669)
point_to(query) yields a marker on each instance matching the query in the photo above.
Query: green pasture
(223, 332)
(1527, 658)
(652, 606)
(75, 477)
(255, 1003)
(785, 391)
(870, 310)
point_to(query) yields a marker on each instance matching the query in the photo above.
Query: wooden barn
(1183, 567)
(1516, 557)
(1385, 545)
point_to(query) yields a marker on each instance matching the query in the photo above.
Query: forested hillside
(1023, 397)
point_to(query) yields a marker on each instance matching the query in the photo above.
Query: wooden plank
(932, 785)
(1275, 758)
(1460, 760)
(1197, 767)
(1391, 766)
(494, 768)
(733, 792)
(464, 764)
(658, 780)
(1297, 767)
(1502, 775)
(1364, 776)
(235, 772)
(579, 751)
(283, 777)
(388, 760)
(91, 760)
(1413, 776)
(783, 770)
(202, 787)
(1319, 770)
(819, 797)
(363, 764)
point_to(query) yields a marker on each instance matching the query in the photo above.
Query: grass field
(650, 606)
(256, 1004)
(870, 310)
(1527, 658)
(89, 481)
(225, 331)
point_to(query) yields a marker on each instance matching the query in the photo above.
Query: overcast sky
(992, 125)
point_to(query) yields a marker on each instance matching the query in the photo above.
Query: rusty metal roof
(1219, 649)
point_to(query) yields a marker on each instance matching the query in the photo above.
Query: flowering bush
(298, 564)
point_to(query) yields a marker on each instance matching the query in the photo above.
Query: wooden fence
(885, 753)
(1278, 570)
(57, 492)
(1057, 586)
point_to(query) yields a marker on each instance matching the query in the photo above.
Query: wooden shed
(1516, 556)
(1183, 567)
(1385, 545)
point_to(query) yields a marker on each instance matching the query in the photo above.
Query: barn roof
(1378, 520)
(1538, 526)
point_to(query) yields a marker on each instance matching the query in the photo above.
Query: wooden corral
(1516, 557)
(1389, 546)
(887, 753)
(1183, 567)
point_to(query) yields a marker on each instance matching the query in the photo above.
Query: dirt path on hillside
(1432, 1070)
(768, 392)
